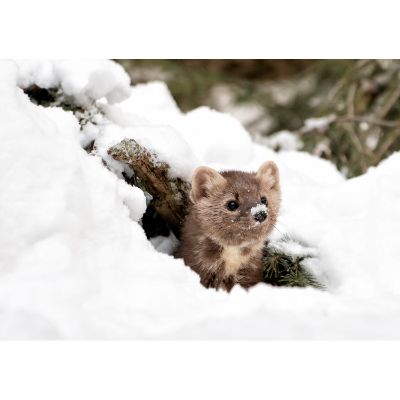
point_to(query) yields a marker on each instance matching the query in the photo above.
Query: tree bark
(170, 195)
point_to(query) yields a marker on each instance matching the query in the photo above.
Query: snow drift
(74, 259)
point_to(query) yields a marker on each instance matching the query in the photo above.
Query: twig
(389, 103)
(384, 147)
(368, 120)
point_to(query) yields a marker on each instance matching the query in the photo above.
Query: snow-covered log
(170, 195)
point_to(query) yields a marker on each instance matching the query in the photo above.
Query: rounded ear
(204, 180)
(268, 174)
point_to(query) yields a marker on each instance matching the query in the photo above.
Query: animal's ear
(268, 174)
(204, 180)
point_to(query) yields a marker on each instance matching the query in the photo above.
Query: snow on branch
(170, 195)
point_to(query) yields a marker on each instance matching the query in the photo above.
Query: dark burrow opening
(153, 224)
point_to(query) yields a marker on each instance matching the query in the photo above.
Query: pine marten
(225, 230)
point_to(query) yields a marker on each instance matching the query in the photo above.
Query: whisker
(287, 232)
(277, 229)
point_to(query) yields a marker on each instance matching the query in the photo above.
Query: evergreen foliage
(282, 268)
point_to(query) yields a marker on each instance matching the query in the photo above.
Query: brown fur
(225, 247)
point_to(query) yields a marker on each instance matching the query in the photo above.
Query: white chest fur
(234, 258)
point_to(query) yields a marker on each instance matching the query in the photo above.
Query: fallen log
(170, 195)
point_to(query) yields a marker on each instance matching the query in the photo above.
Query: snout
(260, 216)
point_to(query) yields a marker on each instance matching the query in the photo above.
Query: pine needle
(283, 269)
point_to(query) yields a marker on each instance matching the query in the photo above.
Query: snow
(216, 137)
(249, 113)
(164, 244)
(318, 123)
(152, 101)
(84, 80)
(293, 248)
(258, 208)
(162, 140)
(282, 140)
(75, 262)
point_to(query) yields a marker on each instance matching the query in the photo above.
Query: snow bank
(75, 262)
(84, 80)
(282, 140)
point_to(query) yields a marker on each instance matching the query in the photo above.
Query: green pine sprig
(282, 269)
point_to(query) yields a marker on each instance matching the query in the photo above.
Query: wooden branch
(170, 195)
(369, 120)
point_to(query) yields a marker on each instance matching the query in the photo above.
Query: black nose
(260, 216)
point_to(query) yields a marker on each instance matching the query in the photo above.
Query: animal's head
(237, 207)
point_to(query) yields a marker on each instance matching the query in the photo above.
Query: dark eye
(264, 200)
(232, 205)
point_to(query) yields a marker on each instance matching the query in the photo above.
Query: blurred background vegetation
(347, 111)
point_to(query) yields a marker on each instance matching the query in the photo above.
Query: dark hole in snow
(89, 147)
(153, 224)
(41, 96)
